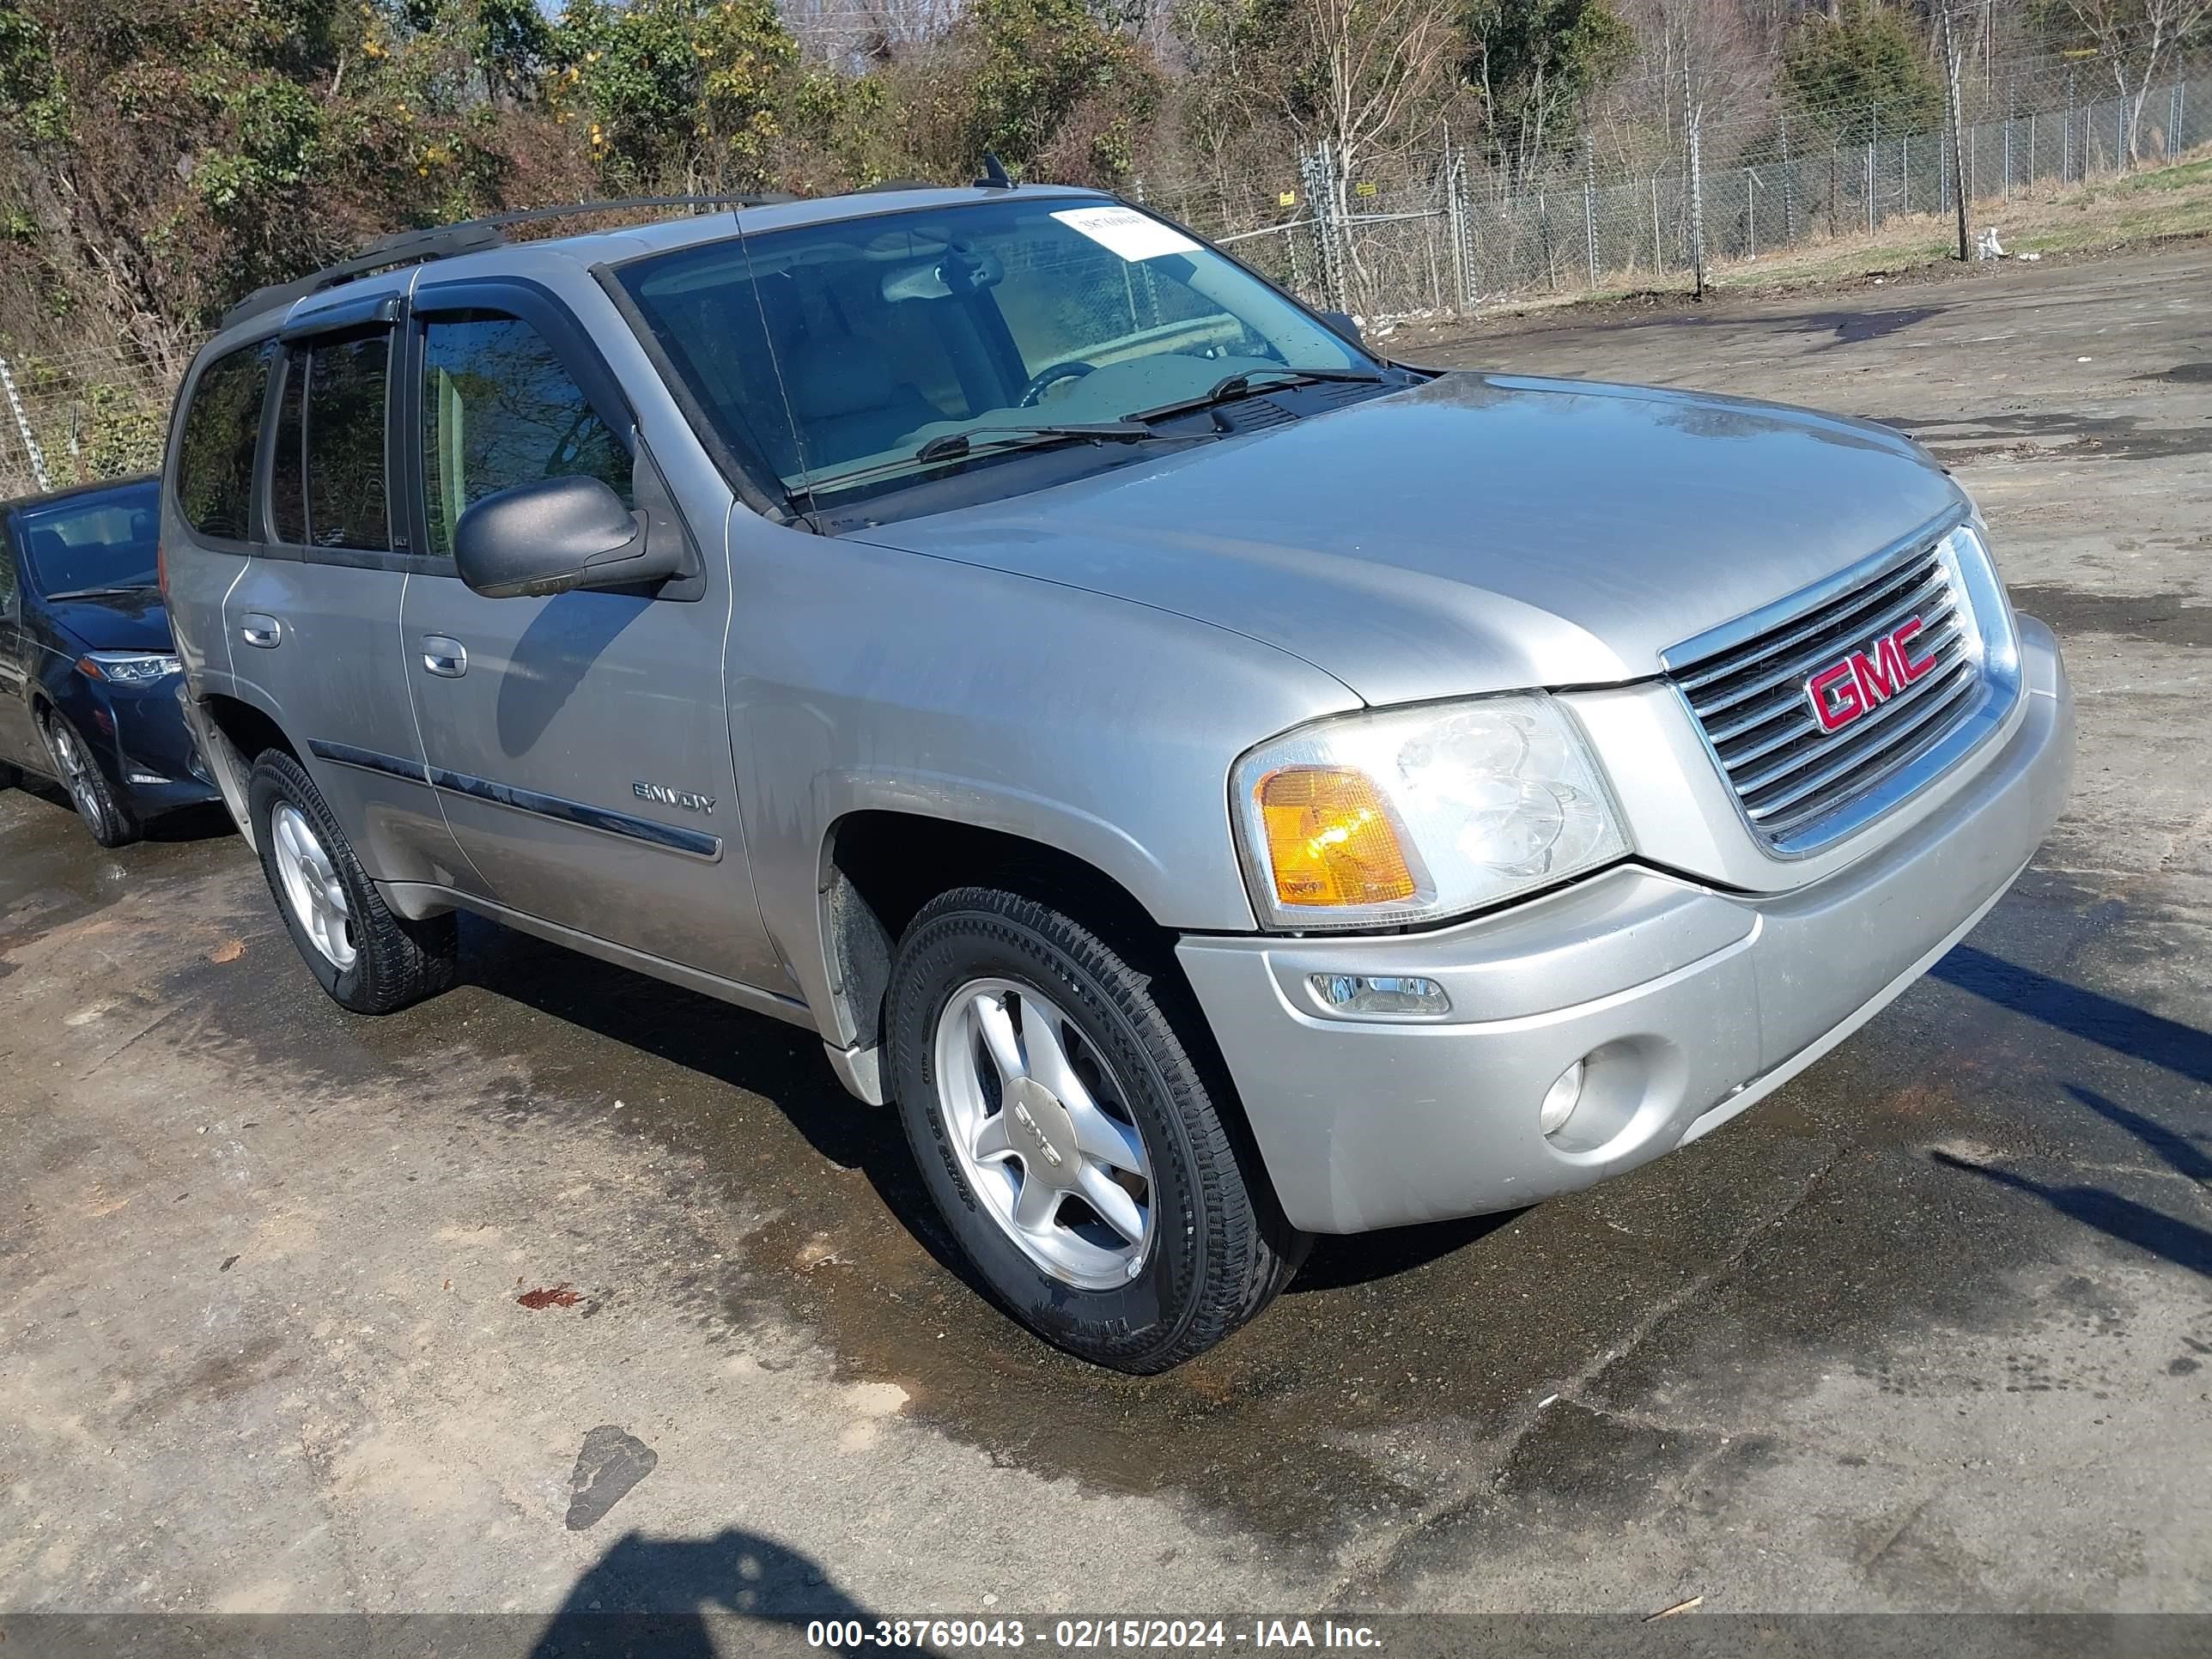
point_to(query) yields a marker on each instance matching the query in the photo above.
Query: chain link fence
(1439, 229)
(82, 415)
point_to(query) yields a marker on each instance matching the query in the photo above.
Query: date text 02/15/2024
(1090, 1635)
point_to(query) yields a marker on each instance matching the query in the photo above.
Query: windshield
(103, 539)
(834, 352)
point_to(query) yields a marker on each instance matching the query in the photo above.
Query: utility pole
(1692, 116)
(38, 456)
(1589, 206)
(1958, 151)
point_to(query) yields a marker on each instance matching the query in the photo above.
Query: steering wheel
(1045, 379)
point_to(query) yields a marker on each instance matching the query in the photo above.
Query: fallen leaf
(229, 950)
(557, 1296)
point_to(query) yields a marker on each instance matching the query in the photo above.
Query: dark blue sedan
(88, 674)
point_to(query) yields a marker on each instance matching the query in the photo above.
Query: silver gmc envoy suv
(1218, 784)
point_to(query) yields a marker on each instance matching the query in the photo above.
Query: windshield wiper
(950, 446)
(957, 446)
(1243, 384)
(114, 591)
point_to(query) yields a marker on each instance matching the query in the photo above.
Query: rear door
(19, 743)
(579, 742)
(315, 616)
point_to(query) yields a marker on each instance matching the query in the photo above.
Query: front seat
(50, 557)
(850, 401)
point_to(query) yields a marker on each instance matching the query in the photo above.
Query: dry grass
(2155, 204)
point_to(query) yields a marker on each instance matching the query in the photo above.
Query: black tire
(396, 961)
(1219, 1250)
(105, 813)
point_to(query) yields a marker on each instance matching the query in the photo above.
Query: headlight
(1414, 814)
(129, 667)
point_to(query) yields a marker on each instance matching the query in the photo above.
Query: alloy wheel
(75, 768)
(312, 887)
(1037, 1120)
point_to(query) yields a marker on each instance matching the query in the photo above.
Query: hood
(1478, 533)
(127, 622)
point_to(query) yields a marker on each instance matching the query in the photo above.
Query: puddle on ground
(2181, 374)
(1857, 327)
(2158, 618)
(1387, 1376)
(1958, 440)
(52, 872)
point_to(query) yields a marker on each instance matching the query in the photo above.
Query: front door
(579, 742)
(19, 740)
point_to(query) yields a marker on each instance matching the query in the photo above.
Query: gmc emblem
(1847, 690)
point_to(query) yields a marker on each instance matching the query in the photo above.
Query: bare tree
(1713, 55)
(2136, 36)
(1377, 64)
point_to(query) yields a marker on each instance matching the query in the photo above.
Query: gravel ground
(1929, 1329)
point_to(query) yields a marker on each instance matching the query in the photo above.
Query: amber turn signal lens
(1330, 839)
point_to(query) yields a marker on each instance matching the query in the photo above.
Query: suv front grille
(1752, 702)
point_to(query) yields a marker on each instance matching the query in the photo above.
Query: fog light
(1353, 994)
(1560, 1100)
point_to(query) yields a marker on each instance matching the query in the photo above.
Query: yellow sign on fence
(1362, 190)
(1286, 198)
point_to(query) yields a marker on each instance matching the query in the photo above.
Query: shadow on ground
(656, 1598)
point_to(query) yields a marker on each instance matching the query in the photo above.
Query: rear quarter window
(214, 456)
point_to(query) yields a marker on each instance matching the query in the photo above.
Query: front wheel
(369, 960)
(96, 802)
(1077, 1152)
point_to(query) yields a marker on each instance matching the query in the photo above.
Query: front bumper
(146, 750)
(1688, 1004)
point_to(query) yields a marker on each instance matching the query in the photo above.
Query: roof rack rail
(414, 247)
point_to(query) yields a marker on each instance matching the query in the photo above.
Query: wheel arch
(880, 865)
(235, 731)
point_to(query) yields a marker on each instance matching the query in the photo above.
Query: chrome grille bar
(1752, 698)
(1844, 627)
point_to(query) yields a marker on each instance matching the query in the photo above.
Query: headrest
(839, 376)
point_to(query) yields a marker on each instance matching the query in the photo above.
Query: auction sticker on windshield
(1124, 231)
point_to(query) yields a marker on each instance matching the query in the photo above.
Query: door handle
(264, 631)
(447, 659)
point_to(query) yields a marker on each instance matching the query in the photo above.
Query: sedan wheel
(110, 822)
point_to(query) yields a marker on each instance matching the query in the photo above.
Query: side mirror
(554, 534)
(1342, 322)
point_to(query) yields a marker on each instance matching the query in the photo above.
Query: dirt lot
(1930, 1329)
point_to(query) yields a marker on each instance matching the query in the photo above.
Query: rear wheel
(96, 802)
(1072, 1143)
(369, 960)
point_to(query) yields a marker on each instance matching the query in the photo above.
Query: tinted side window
(215, 461)
(499, 410)
(344, 443)
(287, 467)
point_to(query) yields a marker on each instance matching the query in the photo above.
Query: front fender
(868, 678)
